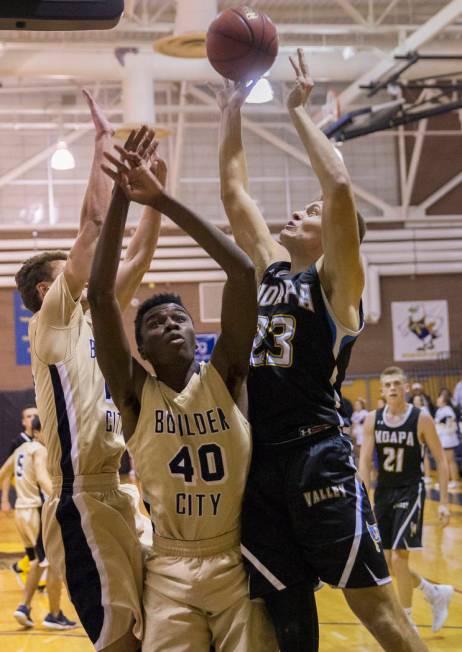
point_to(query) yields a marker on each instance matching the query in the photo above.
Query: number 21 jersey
(399, 450)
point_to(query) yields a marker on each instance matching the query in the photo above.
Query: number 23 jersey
(192, 452)
(299, 357)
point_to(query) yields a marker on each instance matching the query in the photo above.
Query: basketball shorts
(29, 524)
(399, 513)
(306, 516)
(196, 596)
(90, 539)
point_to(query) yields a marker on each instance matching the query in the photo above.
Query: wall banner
(420, 330)
(21, 326)
(204, 346)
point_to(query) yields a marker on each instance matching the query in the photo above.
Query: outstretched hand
(234, 95)
(139, 171)
(300, 93)
(134, 176)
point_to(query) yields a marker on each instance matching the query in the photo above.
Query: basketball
(242, 43)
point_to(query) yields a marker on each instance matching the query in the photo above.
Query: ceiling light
(261, 92)
(62, 158)
(348, 52)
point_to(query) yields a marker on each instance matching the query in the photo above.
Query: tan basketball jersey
(192, 451)
(27, 487)
(81, 425)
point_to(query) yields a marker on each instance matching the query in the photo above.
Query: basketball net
(330, 112)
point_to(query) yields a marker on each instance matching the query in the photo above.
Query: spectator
(357, 421)
(446, 427)
(417, 390)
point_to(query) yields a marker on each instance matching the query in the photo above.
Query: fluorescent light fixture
(348, 52)
(62, 158)
(262, 92)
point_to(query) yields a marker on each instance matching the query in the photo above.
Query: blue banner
(204, 346)
(21, 325)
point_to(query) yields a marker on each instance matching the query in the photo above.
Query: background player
(32, 482)
(399, 432)
(27, 414)
(189, 440)
(309, 317)
(88, 522)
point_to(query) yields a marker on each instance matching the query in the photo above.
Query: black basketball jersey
(299, 356)
(399, 450)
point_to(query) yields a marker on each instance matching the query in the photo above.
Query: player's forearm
(233, 163)
(5, 488)
(99, 187)
(107, 256)
(365, 470)
(138, 256)
(443, 478)
(221, 248)
(327, 165)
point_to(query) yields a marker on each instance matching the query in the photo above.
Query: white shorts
(90, 538)
(193, 602)
(449, 441)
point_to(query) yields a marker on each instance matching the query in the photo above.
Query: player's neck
(301, 262)
(398, 408)
(176, 376)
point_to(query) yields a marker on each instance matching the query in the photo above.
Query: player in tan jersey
(89, 527)
(190, 442)
(28, 464)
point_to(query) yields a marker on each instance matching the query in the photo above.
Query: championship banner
(204, 346)
(21, 325)
(420, 330)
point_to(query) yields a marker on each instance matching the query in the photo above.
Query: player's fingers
(110, 172)
(302, 62)
(115, 161)
(129, 142)
(294, 66)
(140, 134)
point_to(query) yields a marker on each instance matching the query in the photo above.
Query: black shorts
(399, 513)
(306, 515)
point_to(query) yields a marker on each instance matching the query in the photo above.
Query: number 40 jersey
(192, 453)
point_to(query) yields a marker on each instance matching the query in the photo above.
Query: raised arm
(239, 311)
(142, 244)
(248, 225)
(367, 450)
(428, 434)
(94, 207)
(122, 373)
(341, 271)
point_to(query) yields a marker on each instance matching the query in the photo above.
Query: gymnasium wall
(373, 351)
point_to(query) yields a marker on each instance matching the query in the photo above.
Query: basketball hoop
(330, 112)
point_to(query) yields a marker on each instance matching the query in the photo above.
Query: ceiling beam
(295, 152)
(349, 9)
(422, 35)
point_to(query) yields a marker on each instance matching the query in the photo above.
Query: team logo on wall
(420, 330)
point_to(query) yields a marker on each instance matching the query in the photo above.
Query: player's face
(302, 233)
(27, 415)
(167, 335)
(394, 388)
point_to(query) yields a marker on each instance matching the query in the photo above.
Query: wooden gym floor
(440, 561)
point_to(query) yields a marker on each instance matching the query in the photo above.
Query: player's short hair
(156, 300)
(29, 406)
(35, 424)
(392, 371)
(361, 226)
(33, 271)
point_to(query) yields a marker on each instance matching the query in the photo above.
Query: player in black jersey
(306, 514)
(399, 432)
